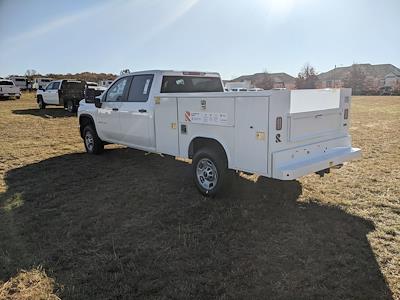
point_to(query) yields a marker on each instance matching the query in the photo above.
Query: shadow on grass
(125, 225)
(47, 113)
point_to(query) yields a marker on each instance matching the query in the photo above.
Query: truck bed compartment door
(166, 122)
(251, 140)
(314, 124)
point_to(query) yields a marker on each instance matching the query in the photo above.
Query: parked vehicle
(238, 90)
(386, 91)
(66, 92)
(93, 90)
(106, 83)
(40, 83)
(19, 81)
(279, 134)
(8, 89)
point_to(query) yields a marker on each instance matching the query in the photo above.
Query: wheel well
(85, 120)
(201, 142)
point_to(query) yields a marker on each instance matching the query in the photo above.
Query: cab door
(137, 114)
(50, 94)
(108, 125)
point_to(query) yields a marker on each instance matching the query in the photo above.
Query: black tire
(71, 107)
(217, 159)
(41, 103)
(93, 144)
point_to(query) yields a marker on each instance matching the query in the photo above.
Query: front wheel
(93, 144)
(209, 171)
(41, 103)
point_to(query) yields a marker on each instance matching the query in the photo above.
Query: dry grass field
(124, 225)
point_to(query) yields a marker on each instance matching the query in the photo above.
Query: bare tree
(307, 78)
(30, 73)
(265, 81)
(355, 80)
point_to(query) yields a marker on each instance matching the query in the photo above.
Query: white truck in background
(64, 92)
(40, 83)
(276, 133)
(20, 81)
(8, 89)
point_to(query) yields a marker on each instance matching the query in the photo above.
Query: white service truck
(65, 92)
(9, 89)
(20, 81)
(276, 133)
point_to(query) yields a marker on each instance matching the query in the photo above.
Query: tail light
(278, 123)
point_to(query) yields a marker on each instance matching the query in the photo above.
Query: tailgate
(314, 135)
(9, 89)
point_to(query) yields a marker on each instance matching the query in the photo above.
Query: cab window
(140, 88)
(118, 91)
(56, 85)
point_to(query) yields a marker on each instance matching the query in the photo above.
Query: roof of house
(276, 77)
(376, 71)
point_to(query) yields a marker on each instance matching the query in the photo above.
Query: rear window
(20, 79)
(191, 84)
(2, 82)
(73, 85)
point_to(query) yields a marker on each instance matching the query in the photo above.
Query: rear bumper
(314, 164)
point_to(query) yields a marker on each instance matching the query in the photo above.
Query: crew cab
(280, 134)
(9, 89)
(66, 92)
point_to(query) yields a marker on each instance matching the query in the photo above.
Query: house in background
(279, 80)
(375, 76)
(392, 80)
(231, 85)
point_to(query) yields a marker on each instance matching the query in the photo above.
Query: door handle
(115, 109)
(142, 110)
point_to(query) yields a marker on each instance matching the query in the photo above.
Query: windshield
(191, 84)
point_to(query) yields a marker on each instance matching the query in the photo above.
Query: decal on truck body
(212, 118)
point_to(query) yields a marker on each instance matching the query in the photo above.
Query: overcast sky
(231, 37)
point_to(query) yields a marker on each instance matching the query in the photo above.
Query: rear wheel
(41, 103)
(209, 171)
(93, 144)
(71, 106)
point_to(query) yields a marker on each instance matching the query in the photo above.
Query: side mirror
(97, 102)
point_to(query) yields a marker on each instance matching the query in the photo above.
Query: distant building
(231, 85)
(375, 76)
(391, 80)
(279, 80)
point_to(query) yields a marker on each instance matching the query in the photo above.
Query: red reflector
(346, 113)
(278, 123)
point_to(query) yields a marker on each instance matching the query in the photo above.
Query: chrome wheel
(207, 174)
(89, 141)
